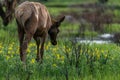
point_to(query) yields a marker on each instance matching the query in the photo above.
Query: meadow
(69, 60)
(66, 61)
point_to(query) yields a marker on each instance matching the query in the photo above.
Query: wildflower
(97, 53)
(54, 65)
(102, 51)
(58, 56)
(46, 47)
(54, 50)
(105, 55)
(11, 45)
(17, 51)
(62, 57)
(28, 50)
(7, 57)
(33, 61)
(9, 52)
(1, 51)
(98, 56)
(96, 49)
(32, 45)
(10, 48)
(68, 50)
(0, 46)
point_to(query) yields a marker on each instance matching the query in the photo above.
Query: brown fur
(7, 14)
(34, 20)
(2, 13)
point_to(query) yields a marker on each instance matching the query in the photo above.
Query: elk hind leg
(37, 39)
(27, 39)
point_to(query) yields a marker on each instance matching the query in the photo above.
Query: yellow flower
(7, 57)
(62, 57)
(96, 49)
(1, 51)
(54, 65)
(98, 56)
(17, 51)
(46, 47)
(54, 49)
(10, 48)
(105, 55)
(68, 50)
(58, 56)
(32, 45)
(33, 61)
(102, 51)
(0, 46)
(9, 52)
(28, 50)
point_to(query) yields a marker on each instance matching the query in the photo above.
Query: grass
(112, 28)
(66, 61)
(57, 11)
(66, 2)
(73, 61)
(115, 2)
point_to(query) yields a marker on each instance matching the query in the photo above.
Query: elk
(34, 21)
(2, 13)
(7, 14)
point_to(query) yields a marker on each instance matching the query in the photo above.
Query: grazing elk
(7, 14)
(33, 20)
(2, 13)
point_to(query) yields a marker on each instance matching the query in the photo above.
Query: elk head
(54, 30)
(9, 7)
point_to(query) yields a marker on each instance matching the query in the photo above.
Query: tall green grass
(66, 61)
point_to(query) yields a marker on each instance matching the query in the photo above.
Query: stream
(101, 39)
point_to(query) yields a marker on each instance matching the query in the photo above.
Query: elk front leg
(42, 48)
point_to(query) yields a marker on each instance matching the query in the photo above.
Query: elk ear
(61, 19)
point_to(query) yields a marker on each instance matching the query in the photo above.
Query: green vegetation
(69, 60)
(112, 28)
(66, 60)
